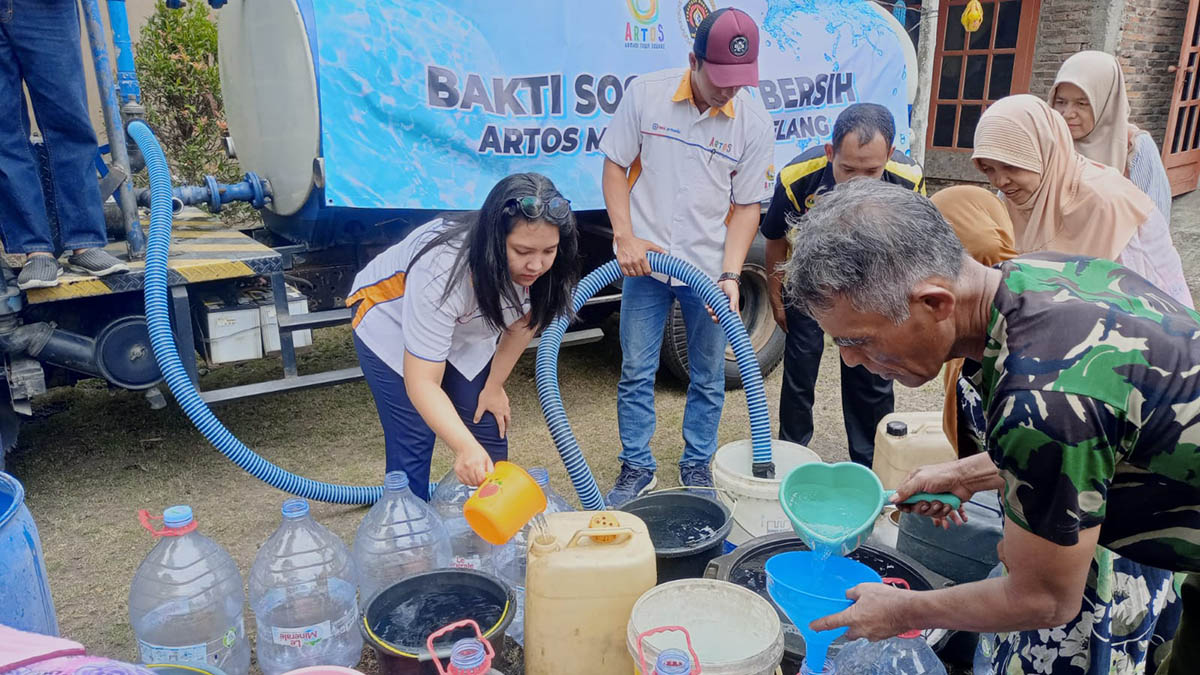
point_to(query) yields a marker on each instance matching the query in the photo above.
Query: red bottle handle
(901, 583)
(491, 653)
(663, 629)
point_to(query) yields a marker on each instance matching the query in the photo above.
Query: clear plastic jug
(401, 535)
(908, 654)
(468, 550)
(186, 601)
(512, 567)
(302, 591)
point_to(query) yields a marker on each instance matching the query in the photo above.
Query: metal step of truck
(295, 383)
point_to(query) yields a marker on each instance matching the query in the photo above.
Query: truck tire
(767, 338)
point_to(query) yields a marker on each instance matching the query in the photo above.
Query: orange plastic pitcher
(504, 503)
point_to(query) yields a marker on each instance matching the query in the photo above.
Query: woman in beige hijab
(1089, 92)
(1061, 201)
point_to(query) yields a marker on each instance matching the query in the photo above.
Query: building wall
(1065, 27)
(1144, 34)
(1151, 35)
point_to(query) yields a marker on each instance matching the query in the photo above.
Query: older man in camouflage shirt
(1090, 386)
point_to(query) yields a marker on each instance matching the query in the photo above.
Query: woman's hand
(494, 399)
(472, 465)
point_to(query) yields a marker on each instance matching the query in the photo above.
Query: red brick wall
(1063, 29)
(1151, 34)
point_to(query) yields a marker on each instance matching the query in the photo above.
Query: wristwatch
(731, 276)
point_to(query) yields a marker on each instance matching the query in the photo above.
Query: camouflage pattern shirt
(1090, 387)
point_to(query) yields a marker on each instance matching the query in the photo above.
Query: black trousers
(866, 397)
(1184, 658)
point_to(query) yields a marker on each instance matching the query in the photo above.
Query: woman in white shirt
(442, 317)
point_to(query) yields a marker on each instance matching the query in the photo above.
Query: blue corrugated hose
(735, 332)
(162, 341)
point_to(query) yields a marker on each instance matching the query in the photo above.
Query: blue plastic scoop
(833, 507)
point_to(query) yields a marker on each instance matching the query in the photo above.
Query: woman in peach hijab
(1089, 92)
(1061, 201)
(982, 224)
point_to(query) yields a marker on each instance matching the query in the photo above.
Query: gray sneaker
(39, 271)
(631, 483)
(697, 475)
(96, 262)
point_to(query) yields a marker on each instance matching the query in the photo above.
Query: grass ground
(92, 457)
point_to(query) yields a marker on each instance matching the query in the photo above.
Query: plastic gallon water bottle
(512, 567)
(468, 550)
(904, 655)
(469, 656)
(401, 535)
(186, 601)
(302, 591)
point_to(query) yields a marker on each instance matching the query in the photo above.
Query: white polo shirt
(687, 167)
(408, 307)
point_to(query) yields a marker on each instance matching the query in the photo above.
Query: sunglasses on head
(532, 207)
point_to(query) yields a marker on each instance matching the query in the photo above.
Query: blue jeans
(39, 43)
(645, 304)
(407, 437)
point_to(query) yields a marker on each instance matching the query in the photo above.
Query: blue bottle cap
(540, 476)
(395, 480)
(295, 508)
(177, 516)
(673, 662)
(828, 670)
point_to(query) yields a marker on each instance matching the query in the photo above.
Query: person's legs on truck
(645, 304)
(801, 363)
(22, 208)
(706, 389)
(45, 38)
(866, 399)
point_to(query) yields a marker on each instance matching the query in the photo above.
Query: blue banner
(426, 104)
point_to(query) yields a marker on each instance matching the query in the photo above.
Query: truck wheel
(766, 337)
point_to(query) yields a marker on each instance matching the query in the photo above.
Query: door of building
(1181, 145)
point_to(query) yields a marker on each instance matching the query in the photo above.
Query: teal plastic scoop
(833, 507)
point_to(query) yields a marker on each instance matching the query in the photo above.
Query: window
(972, 70)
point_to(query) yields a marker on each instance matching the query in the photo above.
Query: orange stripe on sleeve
(381, 291)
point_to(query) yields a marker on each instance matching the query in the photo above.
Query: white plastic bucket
(733, 630)
(755, 501)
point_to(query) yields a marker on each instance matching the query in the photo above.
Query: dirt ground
(92, 457)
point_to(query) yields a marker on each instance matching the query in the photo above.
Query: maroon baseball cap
(727, 40)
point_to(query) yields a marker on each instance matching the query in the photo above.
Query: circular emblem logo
(739, 45)
(692, 14)
(229, 638)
